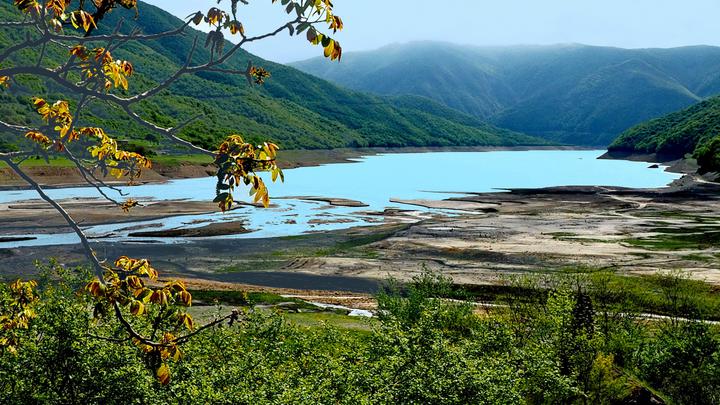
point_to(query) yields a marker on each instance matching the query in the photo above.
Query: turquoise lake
(373, 180)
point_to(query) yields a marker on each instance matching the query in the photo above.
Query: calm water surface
(374, 180)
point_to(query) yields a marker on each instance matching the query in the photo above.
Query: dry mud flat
(493, 235)
(36, 216)
(626, 230)
(629, 231)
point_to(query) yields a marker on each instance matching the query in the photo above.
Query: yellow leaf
(137, 308)
(82, 18)
(163, 374)
(185, 297)
(134, 282)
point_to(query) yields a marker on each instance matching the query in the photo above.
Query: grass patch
(315, 319)
(671, 294)
(310, 316)
(256, 264)
(574, 237)
(163, 160)
(700, 258)
(665, 294)
(39, 162)
(679, 215)
(561, 234)
(678, 239)
(353, 244)
(242, 298)
(178, 160)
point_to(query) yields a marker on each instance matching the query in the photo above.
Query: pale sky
(370, 24)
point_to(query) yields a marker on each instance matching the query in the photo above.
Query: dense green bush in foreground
(573, 346)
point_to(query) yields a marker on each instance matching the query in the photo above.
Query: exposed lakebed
(338, 196)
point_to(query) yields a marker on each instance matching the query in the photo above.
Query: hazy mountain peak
(561, 92)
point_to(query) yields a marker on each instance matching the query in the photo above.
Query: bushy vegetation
(694, 131)
(576, 345)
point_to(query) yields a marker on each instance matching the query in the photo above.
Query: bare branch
(109, 339)
(129, 328)
(27, 44)
(134, 36)
(185, 338)
(13, 128)
(12, 155)
(89, 252)
(270, 34)
(136, 335)
(105, 185)
(16, 24)
(42, 54)
(167, 132)
(89, 178)
(185, 123)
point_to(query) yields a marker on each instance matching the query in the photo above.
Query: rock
(217, 229)
(330, 221)
(338, 202)
(9, 239)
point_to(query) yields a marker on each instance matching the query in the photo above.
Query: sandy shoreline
(494, 236)
(63, 177)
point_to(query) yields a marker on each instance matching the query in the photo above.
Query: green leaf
(221, 197)
(302, 27)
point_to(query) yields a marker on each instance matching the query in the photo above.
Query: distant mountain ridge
(575, 94)
(294, 109)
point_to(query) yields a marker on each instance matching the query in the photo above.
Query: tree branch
(167, 132)
(185, 338)
(13, 128)
(134, 36)
(28, 43)
(88, 177)
(16, 24)
(89, 252)
(12, 155)
(108, 339)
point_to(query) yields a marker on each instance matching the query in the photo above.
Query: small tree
(154, 319)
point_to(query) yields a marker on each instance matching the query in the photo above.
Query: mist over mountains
(574, 94)
(293, 109)
(414, 94)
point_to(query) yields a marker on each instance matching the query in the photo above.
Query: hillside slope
(695, 130)
(294, 109)
(569, 93)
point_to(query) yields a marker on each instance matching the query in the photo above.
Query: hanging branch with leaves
(154, 317)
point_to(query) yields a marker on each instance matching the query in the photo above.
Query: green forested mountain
(569, 93)
(294, 109)
(694, 130)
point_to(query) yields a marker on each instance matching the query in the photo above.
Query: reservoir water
(372, 180)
